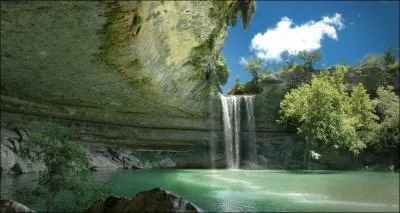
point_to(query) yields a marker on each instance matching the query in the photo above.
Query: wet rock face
(154, 200)
(11, 206)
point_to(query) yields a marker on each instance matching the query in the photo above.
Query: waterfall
(251, 128)
(231, 108)
(211, 109)
(213, 136)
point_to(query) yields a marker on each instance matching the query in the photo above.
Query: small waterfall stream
(231, 108)
(211, 108)
(251, 128)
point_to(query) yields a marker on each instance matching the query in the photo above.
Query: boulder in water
(154, 200)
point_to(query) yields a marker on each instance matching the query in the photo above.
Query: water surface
(253, 190)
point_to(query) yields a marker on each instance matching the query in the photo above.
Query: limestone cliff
(129, 56)
(127, 73)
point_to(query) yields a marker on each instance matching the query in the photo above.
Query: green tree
(255, 66)
(293, 67)
(309, 58)
(388, 57)
(372, 61)
(324, 112)
(66, 165)
(388, 110)
(391, 61)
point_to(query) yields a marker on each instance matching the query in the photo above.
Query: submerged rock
(154, 200)
(11, 206)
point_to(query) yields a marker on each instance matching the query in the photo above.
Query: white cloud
(243, 60)
(291, 38)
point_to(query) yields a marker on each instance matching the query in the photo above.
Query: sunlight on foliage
(323, 111)
(222, 70)
(372, 61)
(309, 58)
(388, 109)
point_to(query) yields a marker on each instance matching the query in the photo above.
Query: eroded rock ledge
(102, 156)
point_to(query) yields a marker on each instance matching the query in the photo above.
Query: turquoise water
(254, 190)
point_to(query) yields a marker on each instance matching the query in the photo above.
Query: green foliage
(388, 110)
(202, 58)
(295, 74)
(309, 58)
(222, 70)
(387, 61)
(251, 87)
(323, 111)
(388, 57)
(227, 12)
(372, 61)
(379, 70)
(138, 19)
(293, 67)
(394, 67)
(255, 66)
(66, 165)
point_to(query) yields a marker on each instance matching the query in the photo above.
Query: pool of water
(251, 190)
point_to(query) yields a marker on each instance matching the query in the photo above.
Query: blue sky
(343, 31)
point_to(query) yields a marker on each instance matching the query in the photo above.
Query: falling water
(231, 116)
(251, 127)
(231, 113)
(236, 107)
(211, 109)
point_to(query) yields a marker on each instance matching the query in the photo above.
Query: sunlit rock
(11, 206)
(7, 158)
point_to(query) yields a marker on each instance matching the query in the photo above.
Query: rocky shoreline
(101, 156)
(154, 200)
